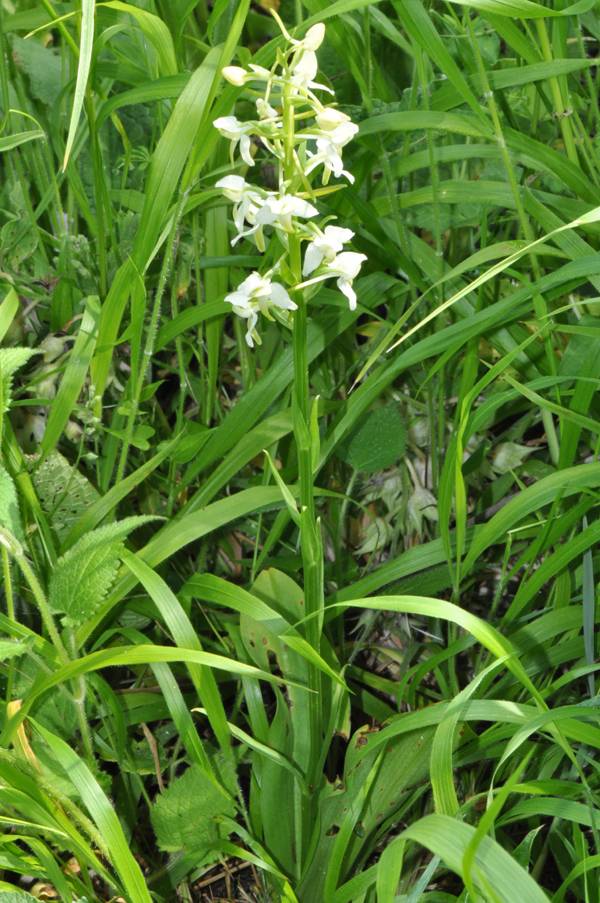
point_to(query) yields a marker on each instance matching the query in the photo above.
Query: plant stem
(310, 534)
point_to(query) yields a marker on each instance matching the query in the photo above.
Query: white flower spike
(257, 295)
(298, 150)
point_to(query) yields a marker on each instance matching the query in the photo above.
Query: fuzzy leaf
(10, 515)
(187, 814)
(64, 493)
(11, 359)
(85, 574)
(377, 443)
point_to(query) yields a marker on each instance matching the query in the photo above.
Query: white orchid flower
(303, 71)
(292, 78)
(257, 295)
(245, 198)
(273, 210)
(230, 127)
(325, 247)
(278, 211)
(304, 65)
(265, 110)
(328, 155)
(346, 266)
(335, 132)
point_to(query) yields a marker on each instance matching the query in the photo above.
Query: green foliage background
(156, 670)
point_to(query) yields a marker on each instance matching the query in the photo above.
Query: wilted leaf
(509, 455)
(422, 504)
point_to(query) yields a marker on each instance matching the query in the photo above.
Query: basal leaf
(186, 816)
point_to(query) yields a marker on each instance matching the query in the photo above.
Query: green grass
(387, 693)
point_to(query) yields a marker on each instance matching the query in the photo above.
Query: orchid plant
(306, 138)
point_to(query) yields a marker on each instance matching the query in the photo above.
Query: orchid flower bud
(314, 37)
(235, 75)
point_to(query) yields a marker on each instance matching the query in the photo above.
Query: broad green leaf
(378, 442)
(188, 814)
(8, 309)
(42, 66)
(493, 868)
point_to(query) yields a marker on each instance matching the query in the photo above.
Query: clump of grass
(310, 619)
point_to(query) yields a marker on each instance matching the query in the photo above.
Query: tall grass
(174, 725)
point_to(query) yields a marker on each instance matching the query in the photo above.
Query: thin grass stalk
(138, 379)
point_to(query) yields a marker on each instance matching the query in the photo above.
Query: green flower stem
(42, 604)
(310, 538)
(137, 380)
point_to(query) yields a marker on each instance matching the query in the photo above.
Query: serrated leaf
(12, 648)
(187, 814)
(84, 575)
(377, 443)
(10, 515)
(64, 493)
(11, 359)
